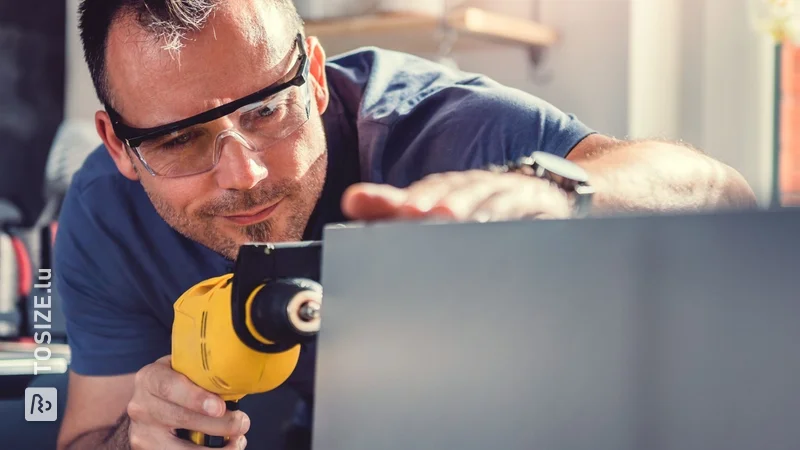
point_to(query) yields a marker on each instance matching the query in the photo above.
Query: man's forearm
(114, 438)
(656, 177)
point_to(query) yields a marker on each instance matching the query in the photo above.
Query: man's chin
(227, 242)
(259, 232)
(245, 235)
(226, 238)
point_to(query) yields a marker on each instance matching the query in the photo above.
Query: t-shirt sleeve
(474, 123)
(108, 329)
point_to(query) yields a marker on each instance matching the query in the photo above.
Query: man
(223, 125)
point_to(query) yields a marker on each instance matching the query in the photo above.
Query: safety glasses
(193, 145)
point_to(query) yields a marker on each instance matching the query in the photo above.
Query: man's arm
(646, 177)
(95, 416)
(658, 177)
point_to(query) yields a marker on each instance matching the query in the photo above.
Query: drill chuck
(285, 311)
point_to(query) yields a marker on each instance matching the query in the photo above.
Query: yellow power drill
(241, 333)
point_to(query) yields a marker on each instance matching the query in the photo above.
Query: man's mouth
(253, 216)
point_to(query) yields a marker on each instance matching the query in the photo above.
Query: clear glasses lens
(276, 117)
(193, 150)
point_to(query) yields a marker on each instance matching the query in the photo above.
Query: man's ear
(115, 147)
(319, 80)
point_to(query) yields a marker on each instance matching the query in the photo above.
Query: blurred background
(722, 75)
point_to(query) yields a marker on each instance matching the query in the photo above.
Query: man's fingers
(502, 205)
(426, 196)
(159, 438)
(172, 442)
(234, 443)
(536, 200)
(239, 443)
(461, 202)
(478, 195)
(367, 201)
(460, 195)
(232, 423)
(163, 382)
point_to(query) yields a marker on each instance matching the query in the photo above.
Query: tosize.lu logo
(41, 404)
(42, 319)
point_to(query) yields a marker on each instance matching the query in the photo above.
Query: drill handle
(206, 440)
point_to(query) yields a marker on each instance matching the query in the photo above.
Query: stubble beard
(298, 202)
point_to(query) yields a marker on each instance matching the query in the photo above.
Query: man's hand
(647, 177)
(164, 400)
(474, 195)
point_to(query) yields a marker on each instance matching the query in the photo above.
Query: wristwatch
(565, 174)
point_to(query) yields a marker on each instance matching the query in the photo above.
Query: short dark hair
(167, 19)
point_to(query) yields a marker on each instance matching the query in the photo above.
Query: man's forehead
(242, 48)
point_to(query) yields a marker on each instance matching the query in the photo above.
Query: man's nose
(240, 167)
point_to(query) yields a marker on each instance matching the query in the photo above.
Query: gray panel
(673, 333)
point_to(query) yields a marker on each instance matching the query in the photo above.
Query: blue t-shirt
(393, 118)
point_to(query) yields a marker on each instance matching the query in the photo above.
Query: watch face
(560, 166)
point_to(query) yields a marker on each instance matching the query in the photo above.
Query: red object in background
(789, 172)
(24, 265)
(53, 230)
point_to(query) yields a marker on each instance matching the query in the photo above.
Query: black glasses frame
(134, 137)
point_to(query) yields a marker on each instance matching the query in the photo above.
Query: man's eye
(178, 141)
(266, 111)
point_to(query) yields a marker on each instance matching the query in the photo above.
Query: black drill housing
(264, 263)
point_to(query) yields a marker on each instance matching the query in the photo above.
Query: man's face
(249, 196)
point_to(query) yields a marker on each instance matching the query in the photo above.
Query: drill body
(206, 348)
(241, 333)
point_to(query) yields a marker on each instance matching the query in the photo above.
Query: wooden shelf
(421, 33)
